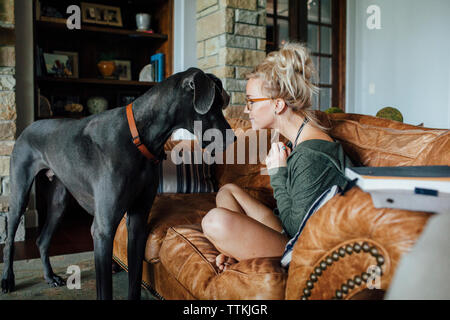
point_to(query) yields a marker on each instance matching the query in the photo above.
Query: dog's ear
(204, 92)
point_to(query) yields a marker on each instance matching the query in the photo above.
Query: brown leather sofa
(339, 243)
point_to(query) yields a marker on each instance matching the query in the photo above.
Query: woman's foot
(223, 262)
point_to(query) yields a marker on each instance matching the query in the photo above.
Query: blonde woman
(279, 94)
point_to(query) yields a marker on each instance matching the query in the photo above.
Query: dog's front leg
(105, 226)
(137, 239)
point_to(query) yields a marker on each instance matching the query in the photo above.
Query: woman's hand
(277, 156)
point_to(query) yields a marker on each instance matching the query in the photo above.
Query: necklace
(300, 131)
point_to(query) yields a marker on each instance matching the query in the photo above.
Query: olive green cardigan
(312, 167)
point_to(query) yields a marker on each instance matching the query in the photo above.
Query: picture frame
(49, 13)
(124, 98)
(58, 65)
(123, 69)
(101, 14)
(73, 58)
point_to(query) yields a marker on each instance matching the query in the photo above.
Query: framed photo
(123, 69)
(58, 65)
(73, 61)
(101, 14)
(124, 98)
(52, 12)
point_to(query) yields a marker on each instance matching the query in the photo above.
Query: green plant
(390, 113)
(334, 110)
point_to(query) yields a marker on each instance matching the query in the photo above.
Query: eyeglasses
(250, 102)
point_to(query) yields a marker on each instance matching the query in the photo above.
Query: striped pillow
(186, 177)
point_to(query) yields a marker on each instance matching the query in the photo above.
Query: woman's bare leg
(241, 237)
(234, 198)
(238, 219)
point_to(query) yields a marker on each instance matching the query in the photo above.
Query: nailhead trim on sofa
(335, 256)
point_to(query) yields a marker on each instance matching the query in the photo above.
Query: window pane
(313, 10)
(283, 8)
(315, 60)
(325, 98)
(283, 31)
(269, 29)
(325, 40)
(315, 102)
(269, 7)
(325, 11)
(313, 37)
(325, 70)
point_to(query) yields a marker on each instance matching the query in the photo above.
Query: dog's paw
(55, 281)
(8, 284)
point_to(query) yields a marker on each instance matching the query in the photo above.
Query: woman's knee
(217, 223)
(229, 188)
(226, 193)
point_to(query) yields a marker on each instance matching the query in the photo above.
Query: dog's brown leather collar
(135, 135)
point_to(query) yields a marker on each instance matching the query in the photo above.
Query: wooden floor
(72, 236)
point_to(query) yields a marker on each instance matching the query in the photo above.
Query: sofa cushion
(375, 142)
(168, 210)
(190, 258)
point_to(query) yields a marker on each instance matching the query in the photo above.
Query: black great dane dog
(96, 161)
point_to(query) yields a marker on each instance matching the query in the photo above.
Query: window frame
(298, 30)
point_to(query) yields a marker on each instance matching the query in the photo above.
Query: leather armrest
(190, 258)
(344, 241)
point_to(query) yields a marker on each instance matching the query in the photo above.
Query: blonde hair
(288, 74)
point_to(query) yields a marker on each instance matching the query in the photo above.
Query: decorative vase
(106, 68)
(97, 104)
(143, 21)
(146, 73)
(45, 109)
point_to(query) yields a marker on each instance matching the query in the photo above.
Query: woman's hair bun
(289, 73)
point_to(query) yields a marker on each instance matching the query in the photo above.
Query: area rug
(30, 283)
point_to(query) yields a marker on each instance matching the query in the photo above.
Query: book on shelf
(158, 61)
(417, 188)
(153, 71)
(40, 63)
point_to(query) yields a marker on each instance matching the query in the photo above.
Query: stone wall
(231, 40)
(7, 110)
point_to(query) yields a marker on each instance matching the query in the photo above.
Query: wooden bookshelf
(92, 42)
(95, 81)
(100, 29)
